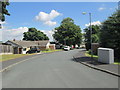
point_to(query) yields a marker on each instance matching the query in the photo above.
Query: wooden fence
(6, 49)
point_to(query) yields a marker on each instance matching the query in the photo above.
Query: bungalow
(21, 47)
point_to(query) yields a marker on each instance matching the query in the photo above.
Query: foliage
(68, 33)
(95, 35)
(4, 11)
(34, 35)
(110, 33)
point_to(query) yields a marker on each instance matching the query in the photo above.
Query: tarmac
(93, 63)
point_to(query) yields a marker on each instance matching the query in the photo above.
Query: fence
(6, 49)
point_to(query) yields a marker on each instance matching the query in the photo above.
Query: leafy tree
(110, 33)
(68, 33)
(34, 35)
(3, 10)
(95, 35)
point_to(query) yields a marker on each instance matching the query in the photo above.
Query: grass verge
(51, 51)
(89, 55)
(6, 57)
(96, 57)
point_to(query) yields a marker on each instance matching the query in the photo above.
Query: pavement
(92, 62)
(56, 70)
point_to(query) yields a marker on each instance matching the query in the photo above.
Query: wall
(6, 49)
(43, 48)
(52, 46)
(95, 47)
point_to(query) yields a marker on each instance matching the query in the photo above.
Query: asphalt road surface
(56, 70)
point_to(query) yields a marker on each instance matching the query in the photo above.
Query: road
(56, 70)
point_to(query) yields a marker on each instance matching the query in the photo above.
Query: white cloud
(93, 23)
(47, 18)
(49, 33)
(101, 8)
(2, 23)
(11, 34)
(50, 23)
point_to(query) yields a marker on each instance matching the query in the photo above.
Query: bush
(88, 46)
(89, 52)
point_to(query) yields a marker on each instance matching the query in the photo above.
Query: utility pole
(91, 35)
(90, 28)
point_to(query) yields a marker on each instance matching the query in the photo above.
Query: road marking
(17, 63)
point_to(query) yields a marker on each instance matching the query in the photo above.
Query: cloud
(47, 18)
(50, 23)
(11, 34)
(49, 33)
(101, 8)
(2, 23)
(93, 23)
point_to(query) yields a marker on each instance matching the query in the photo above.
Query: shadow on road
(88, 60)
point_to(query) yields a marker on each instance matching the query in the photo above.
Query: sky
(45, 16)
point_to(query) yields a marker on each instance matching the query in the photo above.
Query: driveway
(56, 70)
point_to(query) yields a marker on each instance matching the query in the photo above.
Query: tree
(68, 33)
(3, 10)
(95, 35)
(34, 35)
(110, 33)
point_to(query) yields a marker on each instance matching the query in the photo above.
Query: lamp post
(90, 28)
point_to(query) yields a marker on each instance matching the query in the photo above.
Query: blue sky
(23, 14)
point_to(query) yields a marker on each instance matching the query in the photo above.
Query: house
(21, 47)
(5, 48)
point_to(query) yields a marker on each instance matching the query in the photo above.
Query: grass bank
(48, 51)
(96, 57)
(6, 57)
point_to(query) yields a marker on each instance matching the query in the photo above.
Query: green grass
(96, 57)
(6, 57)
(51, 51)
(89, 55)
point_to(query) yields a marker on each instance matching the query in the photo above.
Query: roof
(30, 43)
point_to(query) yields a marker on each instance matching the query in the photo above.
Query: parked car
(33, 51)
(66, 48)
